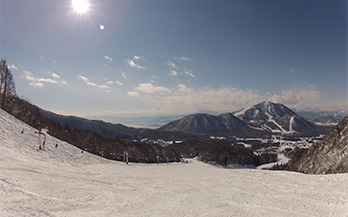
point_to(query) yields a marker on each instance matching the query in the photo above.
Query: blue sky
(158, 57)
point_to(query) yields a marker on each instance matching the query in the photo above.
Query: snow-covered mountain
(323, 117)
(275, 118)
(263, 118)
(197, 123)
(330, 155)
(63, 181)
(207, 124)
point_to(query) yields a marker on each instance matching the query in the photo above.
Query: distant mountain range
(259, 120)
(323, 117)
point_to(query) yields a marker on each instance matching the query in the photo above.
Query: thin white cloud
(184, 58)
(39, 82)
(53, 75)
(185, 99)
(183, 88)
(177, 69)
(36, 84)
(138, 58)
(170, 64)
(108, 58)
(299, 99)
(119, 83)
(132, 64)
(13, 67)
(149, 88)
(124, 75)
(100, 86)
(173, 73)
(292, 70)
(55, 61)
(189, 72)
(115, 82)
(133, 93)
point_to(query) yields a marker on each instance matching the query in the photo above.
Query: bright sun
(80, 6)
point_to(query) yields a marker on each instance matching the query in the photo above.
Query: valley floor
(65, 182)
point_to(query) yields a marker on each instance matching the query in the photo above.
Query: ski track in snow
(66, 182)
(291, 122)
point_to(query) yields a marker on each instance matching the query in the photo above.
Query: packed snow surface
(65, 182)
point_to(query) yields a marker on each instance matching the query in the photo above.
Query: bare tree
(7, 84)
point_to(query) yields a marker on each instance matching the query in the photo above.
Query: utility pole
(125, 157)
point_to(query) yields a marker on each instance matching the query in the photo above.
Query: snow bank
(65, 182)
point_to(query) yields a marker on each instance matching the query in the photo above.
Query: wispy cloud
(148, 88)
(138, 58)
(119, 83)
(39, 82)
(189, 72)
(173, 73)
(292, 70)
(108, 58)
(184, 58)
(100, 86)
(132, 62)
(124, 75)
(13, 67)
(133, 93)
(184, 89)
(53, 75)
(309, 97)
(184, 99)
(115, 82)
(170, 64)
(178, 68)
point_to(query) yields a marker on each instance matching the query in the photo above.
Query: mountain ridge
(259, 120)
(330, 155)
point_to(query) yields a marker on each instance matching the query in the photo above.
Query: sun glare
(80, 6)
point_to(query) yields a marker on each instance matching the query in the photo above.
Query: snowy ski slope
(65, 182)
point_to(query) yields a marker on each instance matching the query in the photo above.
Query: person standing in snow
(56, 145)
